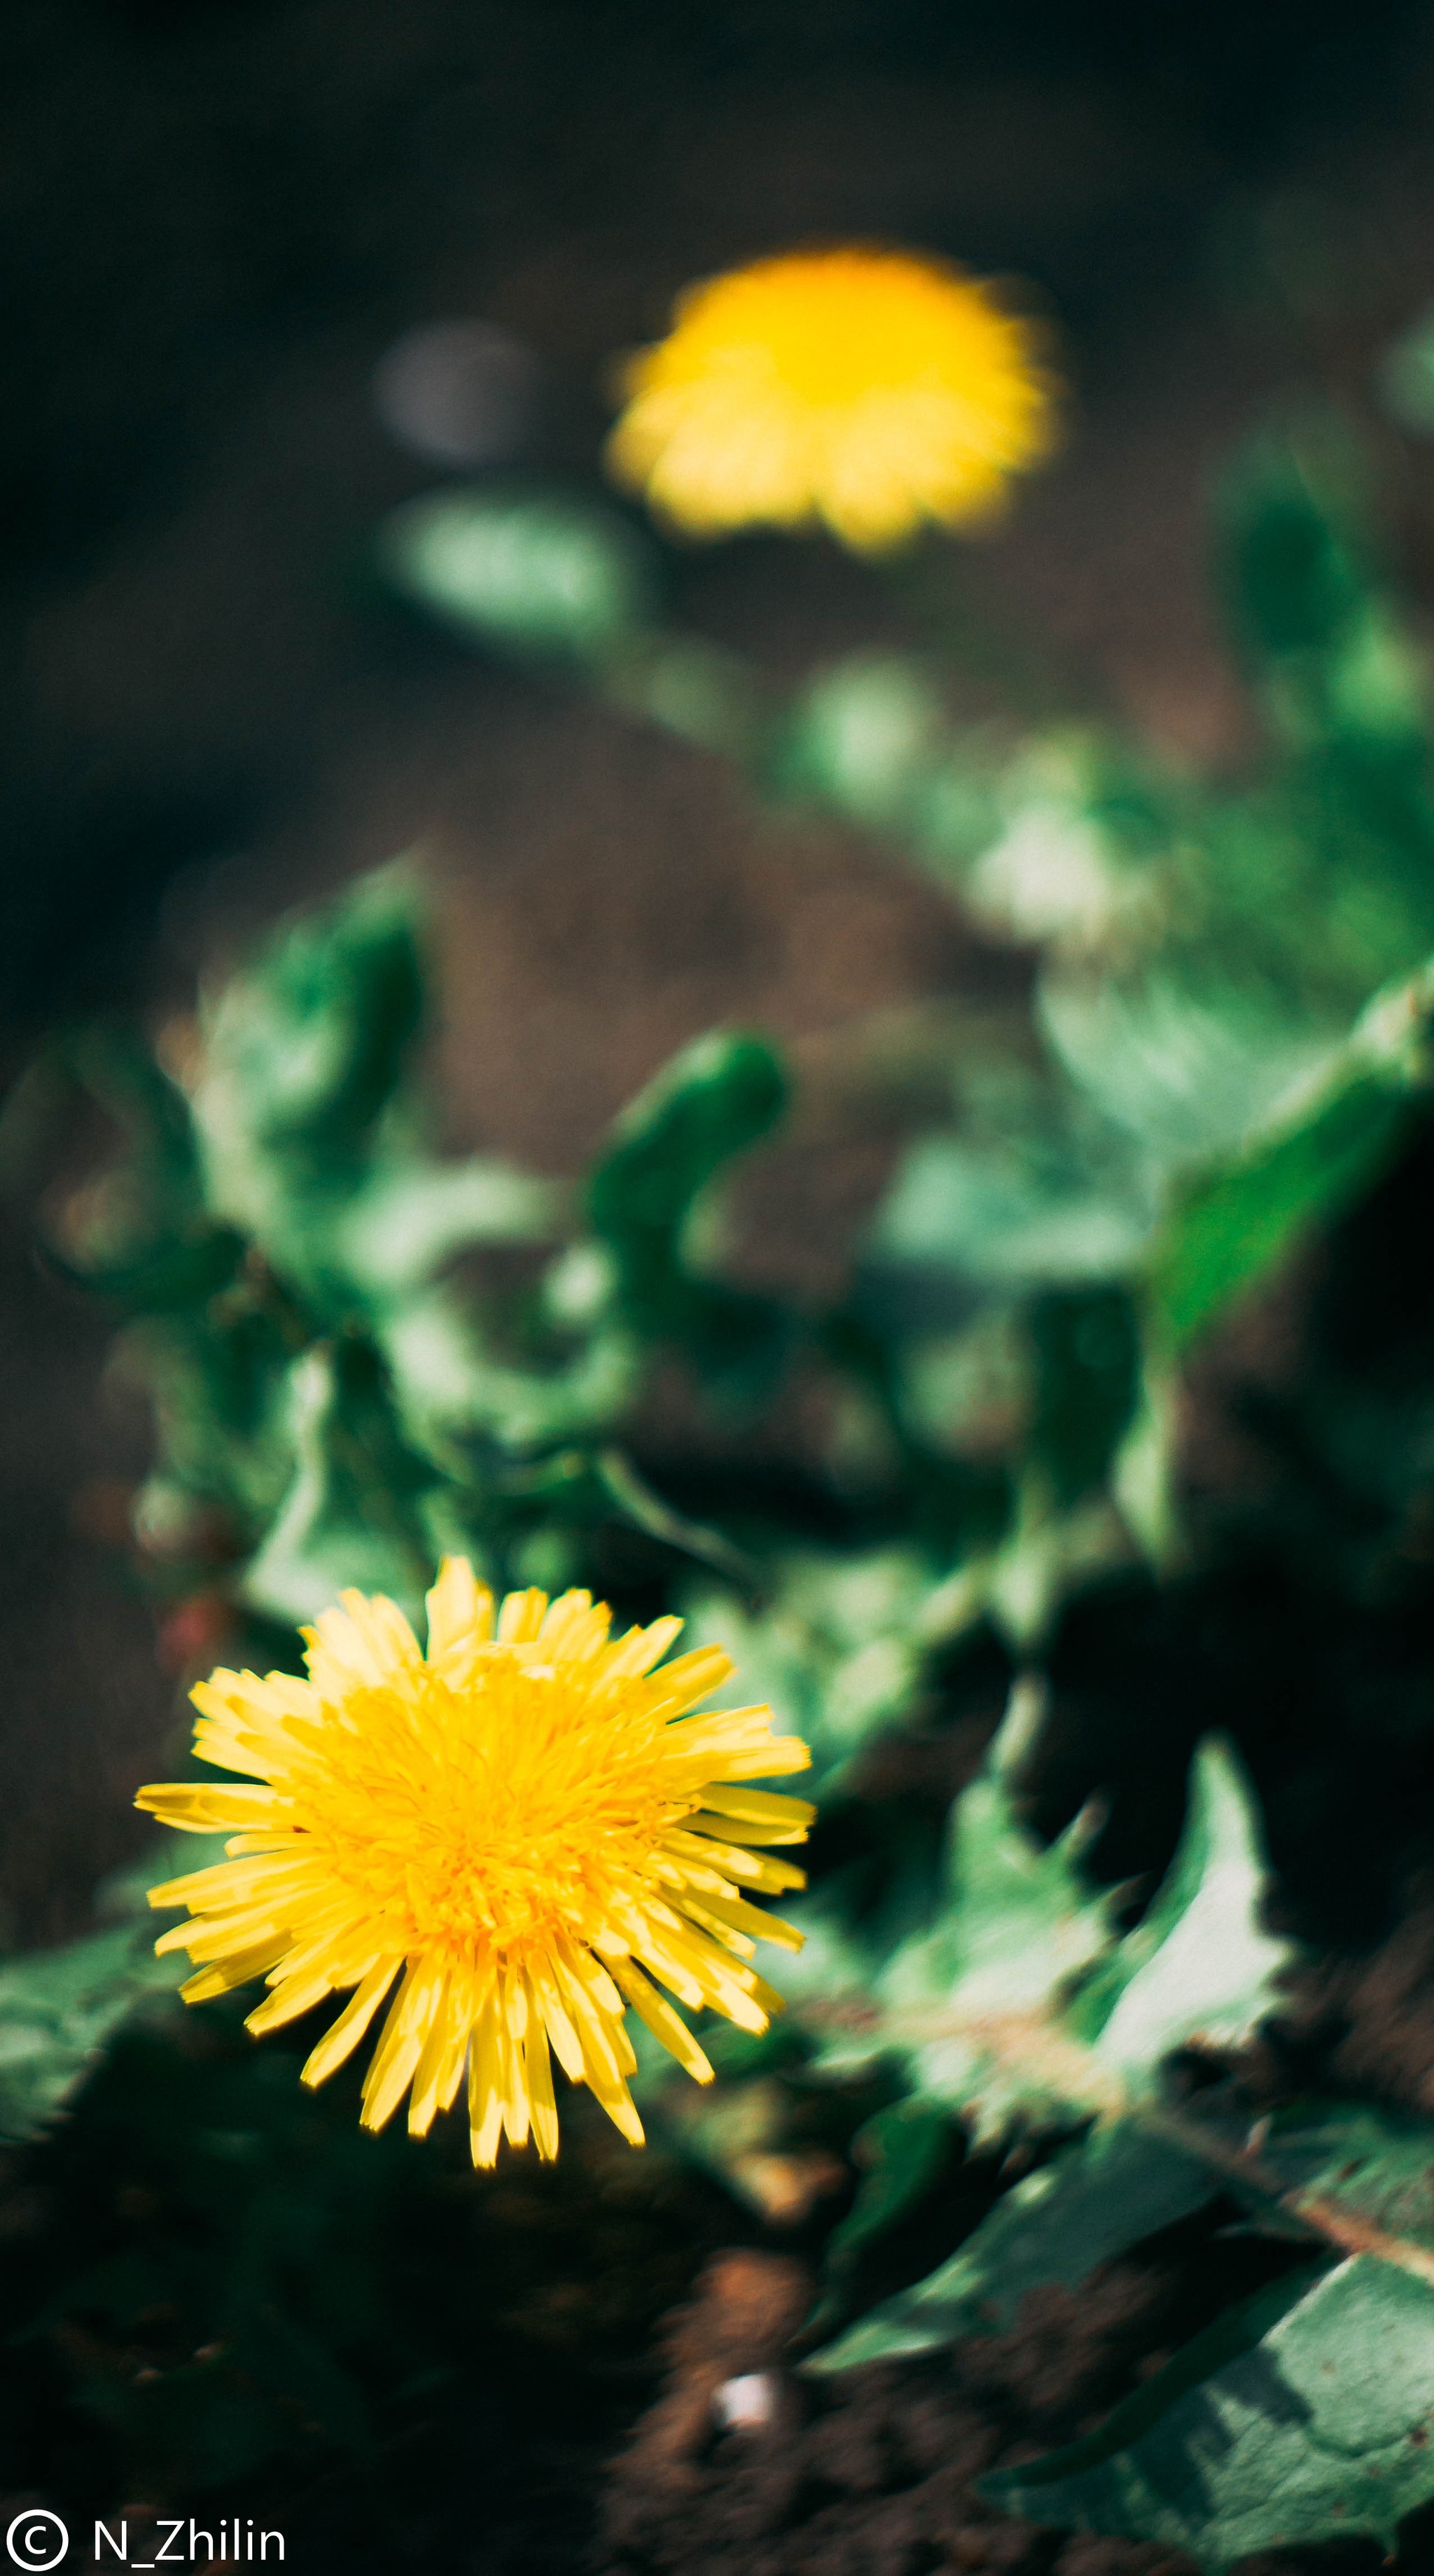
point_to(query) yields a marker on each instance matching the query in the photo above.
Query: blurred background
(271, 268)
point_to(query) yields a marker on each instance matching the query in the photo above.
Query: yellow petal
(460, 1613)
(343, 2036)
(537, 2068)
(486, 2094)
(521, 1617)
(661, 2020)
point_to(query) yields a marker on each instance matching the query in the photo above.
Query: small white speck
(750, 2400)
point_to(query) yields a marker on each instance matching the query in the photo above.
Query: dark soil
(873, 2473)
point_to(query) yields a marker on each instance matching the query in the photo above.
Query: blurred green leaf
(835, 1649)
(1358, 2173)
(412, 1219)
(1024, 1209)
(217, 1379)
(647, 1511)
(57, 2010)
(863, 738)
(715, 1100)
(1087, 1346)
(975, 2004)
(305, 1053)
(1296, 581)
(1185, 1066)
(354, 1513)
(1229, 1225)
(145, 1237)
(531, 573)
(449, 1384)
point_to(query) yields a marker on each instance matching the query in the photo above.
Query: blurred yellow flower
(870, 389)
(525, 1824)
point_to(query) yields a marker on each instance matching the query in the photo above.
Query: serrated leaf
(975, 2004)
(1092, 2202)
(1198, 1967)
(1303, 2416)
(1022, 2009)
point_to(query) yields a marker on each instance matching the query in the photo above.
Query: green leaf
(1022, 2010)
(1198, 1968)
(218, 1380)
(1087, 1347)
(1033, 1206)
(711, 1103)
(306, 1054)
(1328, 1142)
(836, 1648)
(1404, 378)
(1359, 2175)
(975, 2004)
(146, 1239)
(1092, 2202)
(647, 1510)
(354, 1512)
(1232, 1225)
(447, 1382)
(1046, 1552)
(864, 738)
(524, 573)
(1295, 580)
(1185, 1059)
(901, 2153)
(1304, 2416)
(416, 1216)
(57, 2009)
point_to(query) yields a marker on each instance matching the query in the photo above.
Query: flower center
(494, 1816)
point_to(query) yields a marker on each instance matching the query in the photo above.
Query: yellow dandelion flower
(527, 1826)
(870, 389)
